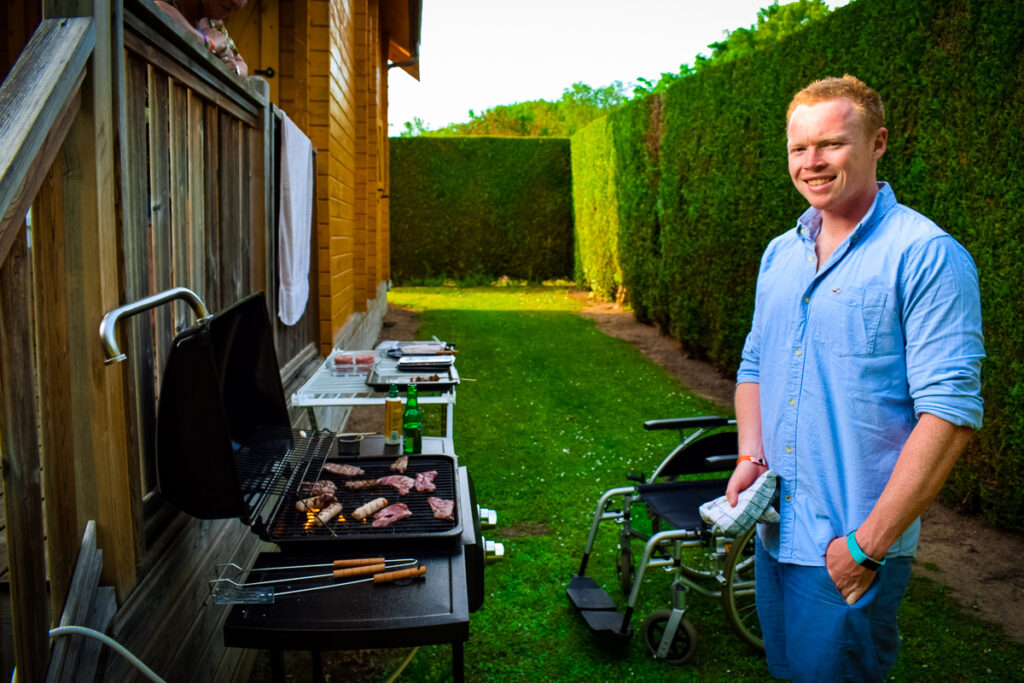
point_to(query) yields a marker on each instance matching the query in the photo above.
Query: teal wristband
(858, 555)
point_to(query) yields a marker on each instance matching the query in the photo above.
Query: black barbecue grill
(225, 448)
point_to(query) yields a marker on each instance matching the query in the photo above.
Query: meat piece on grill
(441, 507)
(400, 464)
(391, 514)
(318, 488)
(343, 470)
(315, 502)
(360, 484)
(401, 484)
(425, 481)
(364, 511)
(328, 513)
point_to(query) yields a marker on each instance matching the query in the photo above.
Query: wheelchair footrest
(595, 606)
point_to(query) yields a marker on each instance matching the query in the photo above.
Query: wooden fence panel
(19, 455)
(51, 283)
(136, 254)
(160, 254)
(197, 194)
(178, 256)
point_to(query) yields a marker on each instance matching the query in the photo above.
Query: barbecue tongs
(226, 591)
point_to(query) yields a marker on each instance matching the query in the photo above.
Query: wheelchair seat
(678, 502)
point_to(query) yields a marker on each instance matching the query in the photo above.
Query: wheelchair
(699, 556)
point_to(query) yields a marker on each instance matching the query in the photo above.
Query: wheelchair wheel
(684, 643)
(738, 590)
(626, 570)
(699, 562)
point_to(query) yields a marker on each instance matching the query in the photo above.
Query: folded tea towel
(754, 505)
(294, 221)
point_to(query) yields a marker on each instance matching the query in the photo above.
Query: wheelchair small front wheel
(684, 641)
(738, 601)
(626, 570)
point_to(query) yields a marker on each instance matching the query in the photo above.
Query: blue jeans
(811, 634)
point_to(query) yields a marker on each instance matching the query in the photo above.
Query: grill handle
(109, 323)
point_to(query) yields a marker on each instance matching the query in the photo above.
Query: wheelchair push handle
(701, 422)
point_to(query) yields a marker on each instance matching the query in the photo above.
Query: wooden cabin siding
(171, 186)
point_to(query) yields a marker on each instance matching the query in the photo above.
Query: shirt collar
(809, 222)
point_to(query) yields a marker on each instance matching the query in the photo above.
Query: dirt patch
(981, 565)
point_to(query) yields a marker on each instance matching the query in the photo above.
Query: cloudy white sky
(477, 54)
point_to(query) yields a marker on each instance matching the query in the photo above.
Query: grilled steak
(400, 464)
(344, 470)
(391, 514)
(425, 481)
(318, 488)
(401, 484)
(442, 508)
(360, 484)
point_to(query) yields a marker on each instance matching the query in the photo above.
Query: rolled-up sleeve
(750, 360)
(942, 323)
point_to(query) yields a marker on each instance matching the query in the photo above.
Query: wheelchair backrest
(712, 453)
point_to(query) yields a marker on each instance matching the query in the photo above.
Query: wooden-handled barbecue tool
(227, 591)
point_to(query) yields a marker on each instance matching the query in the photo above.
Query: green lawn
(551, 421)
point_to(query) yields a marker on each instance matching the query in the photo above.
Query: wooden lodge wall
(336, 47)
(173, 185)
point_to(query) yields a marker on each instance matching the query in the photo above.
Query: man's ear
(879, 145)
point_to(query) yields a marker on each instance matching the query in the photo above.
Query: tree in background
(580, 104)
(773, 23)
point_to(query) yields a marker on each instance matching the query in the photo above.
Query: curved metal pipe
(109, 323)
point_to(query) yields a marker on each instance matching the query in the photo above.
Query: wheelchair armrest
(637, 477)
(720, 462)
(703, 421)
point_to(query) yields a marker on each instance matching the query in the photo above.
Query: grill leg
(458, 665)
(317, 666)
(276, 666)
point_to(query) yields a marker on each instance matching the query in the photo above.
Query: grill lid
(221, 391)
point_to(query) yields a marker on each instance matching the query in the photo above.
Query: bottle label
(392, 421)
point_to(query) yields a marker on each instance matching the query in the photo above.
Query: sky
(477, 54)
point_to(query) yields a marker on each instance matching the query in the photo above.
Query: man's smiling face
(832, 158)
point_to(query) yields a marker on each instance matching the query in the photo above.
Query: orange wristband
(752, 458)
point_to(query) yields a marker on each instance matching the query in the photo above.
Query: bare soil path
(982, 566)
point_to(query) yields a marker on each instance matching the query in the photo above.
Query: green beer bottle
(412, 423)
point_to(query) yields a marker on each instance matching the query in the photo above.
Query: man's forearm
(921, 470)
(748, 418)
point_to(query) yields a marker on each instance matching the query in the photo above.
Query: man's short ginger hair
(864, 99)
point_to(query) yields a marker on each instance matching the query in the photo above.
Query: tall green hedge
(481, 207)
(596, 208)
(702, 186)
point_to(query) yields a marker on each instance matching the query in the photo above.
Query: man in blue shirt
(859, 385)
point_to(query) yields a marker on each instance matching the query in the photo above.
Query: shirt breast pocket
(846, 319)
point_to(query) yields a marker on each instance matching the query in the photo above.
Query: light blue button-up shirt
(848, 355)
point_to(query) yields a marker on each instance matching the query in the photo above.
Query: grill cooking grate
(293, 525)
(265, 464)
